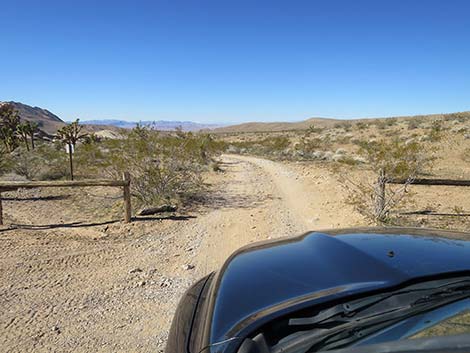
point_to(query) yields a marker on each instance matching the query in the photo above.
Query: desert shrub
(387, 159)
(89, 158)
(395, 158)
(436, 131)
(312, 130)
(346, 125)
(26, 163)
(413, 124)
(308, 146)
(361, 126)
(277, 143)
(164, 168)
(54, 161)
(381, 124)
(341, 139)
(268, 146)
(391, 121)
(5, 161)
(460, 117)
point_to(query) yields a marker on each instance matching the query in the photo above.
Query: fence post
(1, 210)
(380, 195)
(127, 197)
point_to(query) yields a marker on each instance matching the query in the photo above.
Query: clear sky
(238, 60)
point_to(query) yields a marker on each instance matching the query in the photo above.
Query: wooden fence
(418, 181)
(442, 182)
(124, 183)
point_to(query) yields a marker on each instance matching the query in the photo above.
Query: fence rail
(125, 183)
(443, 182)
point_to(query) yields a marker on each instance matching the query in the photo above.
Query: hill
(276, 126)
(323, 123)
(47, 121)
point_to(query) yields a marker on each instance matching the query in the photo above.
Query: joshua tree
(70, 134)
(9, 121)
(22, 131)
(33, 128)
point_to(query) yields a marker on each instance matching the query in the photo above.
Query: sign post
(70, 149)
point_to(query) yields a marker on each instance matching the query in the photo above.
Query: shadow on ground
(433, 213)
(81, 224)
(37, 198)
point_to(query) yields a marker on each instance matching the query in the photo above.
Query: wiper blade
(344, 309)
(351, 308)
(371, 325)
(349, 322)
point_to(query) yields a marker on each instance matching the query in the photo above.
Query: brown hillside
(324, 122)
(47, 121)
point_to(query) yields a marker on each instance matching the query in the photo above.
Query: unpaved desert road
(266, 199)
(115, 287)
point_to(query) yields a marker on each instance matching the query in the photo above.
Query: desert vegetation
(367, 154)
(247, 186)
(165, 167)
(387, 160)
(168, 168)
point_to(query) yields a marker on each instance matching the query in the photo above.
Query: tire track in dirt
(114, 287)
(277, 200)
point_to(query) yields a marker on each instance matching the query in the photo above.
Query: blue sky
(234, 61)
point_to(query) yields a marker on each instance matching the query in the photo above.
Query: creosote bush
(5, 161)
(165, 168)
(268, 146)
(54, 161)
(436, 131)
(395, 158)
(26, 163)
(387, 159)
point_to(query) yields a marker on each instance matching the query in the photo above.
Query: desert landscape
(75, 275)
(145, 145)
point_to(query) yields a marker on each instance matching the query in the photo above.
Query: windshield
(433, 308)
(454, 325)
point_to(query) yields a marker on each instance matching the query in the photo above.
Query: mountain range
(157, 124)
(49, 122)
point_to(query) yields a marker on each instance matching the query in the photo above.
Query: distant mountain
(50, 123)
(277, 126)
(159, 124)
(47, 121)
(323, 123)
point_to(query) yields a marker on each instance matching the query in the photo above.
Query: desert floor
(73, 277)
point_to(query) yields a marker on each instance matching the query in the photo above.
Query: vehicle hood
(267, 280)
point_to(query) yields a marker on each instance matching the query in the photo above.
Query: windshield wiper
(349, 322)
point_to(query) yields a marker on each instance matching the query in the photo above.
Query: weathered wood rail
(125, 183)
(442, 182)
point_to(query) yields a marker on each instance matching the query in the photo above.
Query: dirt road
(114, 287)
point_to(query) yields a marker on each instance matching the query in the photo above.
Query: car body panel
(267, 280)
(183, 322)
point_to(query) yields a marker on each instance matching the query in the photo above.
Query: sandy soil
(74, 278)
